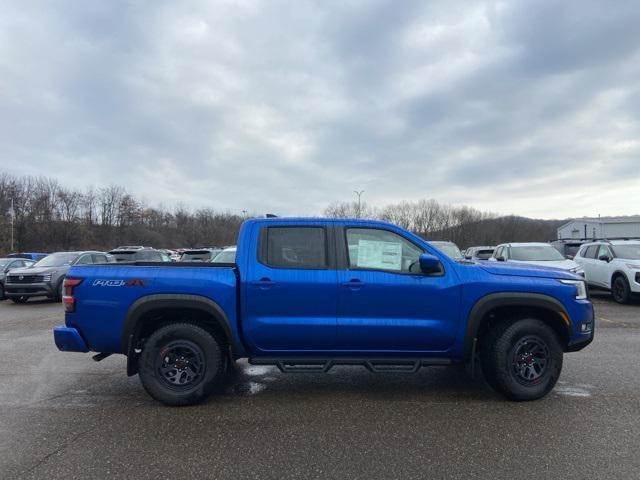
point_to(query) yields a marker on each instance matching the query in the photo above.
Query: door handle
(264, 282)
(354, 284)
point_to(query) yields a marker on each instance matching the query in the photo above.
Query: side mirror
(501, 259)
(430, 263)
(604, 258)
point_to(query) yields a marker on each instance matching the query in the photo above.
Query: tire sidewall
(503, 378)
(59, 292)
(213, 358)
(625, 285)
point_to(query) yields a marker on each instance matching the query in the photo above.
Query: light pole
(359, 194)
(11, 213)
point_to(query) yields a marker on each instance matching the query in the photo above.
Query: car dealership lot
(64, 416)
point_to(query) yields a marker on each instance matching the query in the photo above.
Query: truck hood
(561, 264)
(32, 271)
(526, 270)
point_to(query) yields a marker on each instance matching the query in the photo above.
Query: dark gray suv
(8, 264)
(45, 277)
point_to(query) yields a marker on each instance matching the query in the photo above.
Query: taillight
(67, 299)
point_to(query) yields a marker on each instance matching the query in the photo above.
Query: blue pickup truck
(308, 294)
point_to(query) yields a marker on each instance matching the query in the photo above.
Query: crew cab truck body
(308, 294)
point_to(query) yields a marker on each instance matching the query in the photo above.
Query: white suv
(535, 253)
(612, 265)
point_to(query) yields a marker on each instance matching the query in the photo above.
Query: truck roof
(318, 220)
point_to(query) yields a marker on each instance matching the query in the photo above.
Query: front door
(290, 291)
(385, 303)
(601, 268)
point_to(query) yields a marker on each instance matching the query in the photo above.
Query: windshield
(3, 263)
(228, 256)
(195, 257)
(450, 250)
(628, 252)
(57, 260)
(484, 254)
(123, 256)
(571, 249)
(535, 253)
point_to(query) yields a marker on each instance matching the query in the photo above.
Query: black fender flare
(169, 301)
(509, 299)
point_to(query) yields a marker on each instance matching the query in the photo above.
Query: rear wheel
(1, 292)
(21, 299)
(620, 290)
(180, 364)
(522, 360)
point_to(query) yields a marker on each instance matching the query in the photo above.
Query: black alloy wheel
(181, 364)
(620, 290)
(529, 360)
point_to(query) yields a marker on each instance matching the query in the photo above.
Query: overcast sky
(529, 108)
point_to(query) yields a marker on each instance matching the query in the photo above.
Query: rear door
(290, 290)
(385, 303)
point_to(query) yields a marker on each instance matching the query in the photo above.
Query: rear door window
(295, 247)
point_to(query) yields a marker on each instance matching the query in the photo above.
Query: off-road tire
(503, 356)
(155, 364)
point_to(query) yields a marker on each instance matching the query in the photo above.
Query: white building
(601, 227)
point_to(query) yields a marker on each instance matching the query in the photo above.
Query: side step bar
(374, 365)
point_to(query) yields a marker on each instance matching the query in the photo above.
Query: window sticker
(382, 255)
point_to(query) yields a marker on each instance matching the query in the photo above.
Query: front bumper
(581, 340)
(68, 339)
(28, 290)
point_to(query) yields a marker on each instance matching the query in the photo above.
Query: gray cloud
(527, 107)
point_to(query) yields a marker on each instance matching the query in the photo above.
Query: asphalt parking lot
(65, 416)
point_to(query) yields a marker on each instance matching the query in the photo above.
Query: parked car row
(44, 278)
(21, 277)
(611, 265)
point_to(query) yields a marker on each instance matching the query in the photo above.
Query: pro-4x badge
(134, 282)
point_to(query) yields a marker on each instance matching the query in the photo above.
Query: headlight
(581, 288)
(633, 266)
(46, 278)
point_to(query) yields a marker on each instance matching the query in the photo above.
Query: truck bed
(108, 292)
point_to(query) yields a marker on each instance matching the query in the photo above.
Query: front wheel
(620, 290)
(522, 360)
(180, 364)
(59, 292)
